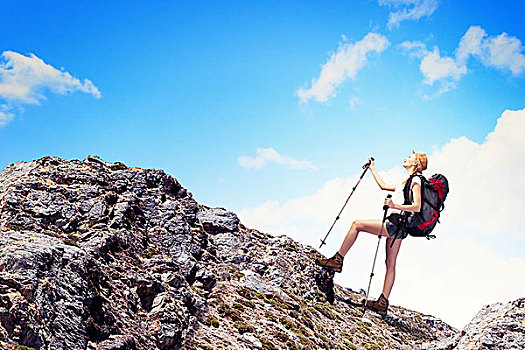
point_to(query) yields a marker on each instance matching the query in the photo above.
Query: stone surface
(101, 256)
(218, 220)
(496, 326)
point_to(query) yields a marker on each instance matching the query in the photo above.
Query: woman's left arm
(414, 207)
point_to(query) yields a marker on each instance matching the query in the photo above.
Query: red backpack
(433, 194)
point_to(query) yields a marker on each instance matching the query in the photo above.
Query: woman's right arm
(378, 179)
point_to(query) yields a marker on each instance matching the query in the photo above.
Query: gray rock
(496, 326)
(117, 342)
(218, 220)
(254, 282)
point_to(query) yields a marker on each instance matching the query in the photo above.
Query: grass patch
(290, 248)
(238, 306)
(52, 234)
(270, 317)
(287, 323)
(243, 327)
(245, 302)
(291, 345)
(226, 311)
(267, 345)
(72, 236)
(212, 321)
(70, 242)
(236, 274)
(13, 227)
(325, 310)
(250, 294)
(350, 345)
(281, 336)
(118, 166)
(149, 253)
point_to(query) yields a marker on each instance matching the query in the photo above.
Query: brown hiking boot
(335, 263)
(380, 305)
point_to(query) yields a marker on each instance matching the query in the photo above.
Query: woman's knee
(390, 264)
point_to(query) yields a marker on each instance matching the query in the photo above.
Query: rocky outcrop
(98, 255)
(496, 326)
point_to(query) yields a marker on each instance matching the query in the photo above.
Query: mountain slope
(97, 255)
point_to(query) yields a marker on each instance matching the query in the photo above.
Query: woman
(415, 163)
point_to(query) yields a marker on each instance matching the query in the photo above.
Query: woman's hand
(371, 166)
(388, 201)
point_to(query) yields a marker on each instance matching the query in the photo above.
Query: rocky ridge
(98, 255)
(496, 326)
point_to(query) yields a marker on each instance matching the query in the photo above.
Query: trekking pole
(385, 208)
(366, 166)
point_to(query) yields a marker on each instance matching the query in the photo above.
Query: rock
(218, 220)
(254, 282)
(252, 340)
(499, 326)
(207, 279)
(73, 241)
(117, 342)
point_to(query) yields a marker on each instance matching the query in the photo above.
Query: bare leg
(391, 258)
(370, 226)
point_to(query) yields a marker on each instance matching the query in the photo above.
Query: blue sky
(197, 88)
(191, 86)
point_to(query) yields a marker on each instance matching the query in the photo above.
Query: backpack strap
(408, 187)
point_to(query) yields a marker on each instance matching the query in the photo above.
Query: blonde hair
(421, 163)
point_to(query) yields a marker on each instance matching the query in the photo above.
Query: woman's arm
(378, 179)
(414, 207)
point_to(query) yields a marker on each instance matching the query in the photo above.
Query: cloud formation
(27, 79)
(479, 247)
(354, 101)
(5, 115)
(502, 52)
(408, 10)
(270, 155)
(344, 64)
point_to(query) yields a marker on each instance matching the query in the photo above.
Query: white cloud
(270, 155)
(479, 249)
(410, 10)
(503, 52)
(26, 79)
(5, 115)
(415, 48)
(470, 44)
(434, 67)
(344, 64)
(354, 101)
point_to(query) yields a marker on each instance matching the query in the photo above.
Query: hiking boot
(335, 263)
(380, 305)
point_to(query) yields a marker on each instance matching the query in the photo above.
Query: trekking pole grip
(385, 207)
(367, 165)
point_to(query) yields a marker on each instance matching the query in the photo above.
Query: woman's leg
(391, 258)
(370, 226)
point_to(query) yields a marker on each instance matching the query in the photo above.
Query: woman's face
(410, 161)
